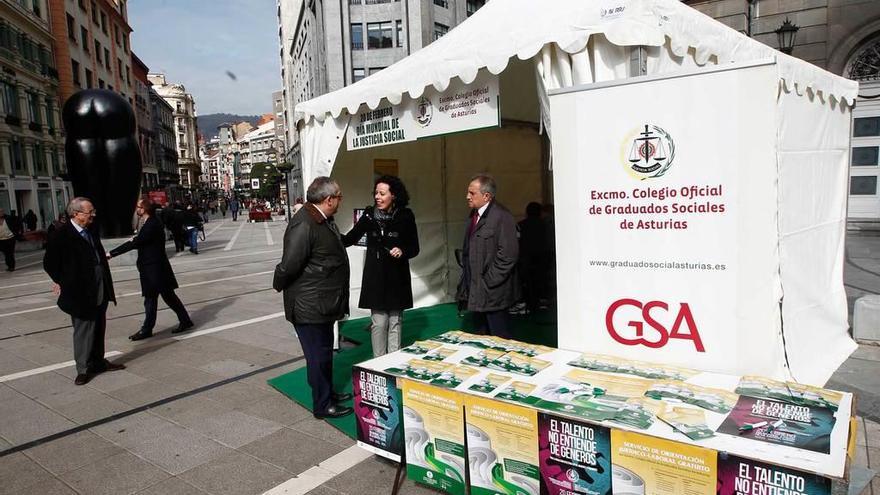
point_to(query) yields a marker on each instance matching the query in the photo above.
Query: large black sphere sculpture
(103, 156)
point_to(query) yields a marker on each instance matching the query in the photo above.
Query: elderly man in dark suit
(488, 284)
(313, 273)
(75, 261)
(157, 277)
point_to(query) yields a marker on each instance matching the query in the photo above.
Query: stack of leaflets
(793, 393)
(611, 364)
(439, 354)
(421, 347)
(419, 369)
(489, 383)
(690, 421)
(483, 358)
(710, 399)
(514, 362)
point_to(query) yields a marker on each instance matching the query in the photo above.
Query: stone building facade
(185, 128)
(32, 167)
(164, 145)
(843, 37)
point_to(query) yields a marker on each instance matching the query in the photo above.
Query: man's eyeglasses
(89, 212)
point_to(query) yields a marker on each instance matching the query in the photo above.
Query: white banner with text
(462, 107)
(666, 220)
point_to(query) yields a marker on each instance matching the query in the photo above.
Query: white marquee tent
(536, 47)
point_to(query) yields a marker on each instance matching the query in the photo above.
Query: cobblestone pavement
(192, 413)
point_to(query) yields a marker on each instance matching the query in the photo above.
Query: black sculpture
(103, 157)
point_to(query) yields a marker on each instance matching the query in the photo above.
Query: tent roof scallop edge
(506, 28)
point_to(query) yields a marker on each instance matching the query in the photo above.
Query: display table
(255, 215)
(487, 415)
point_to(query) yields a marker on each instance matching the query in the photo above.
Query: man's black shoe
(140, 335)
(184, 326)
(82, 379)
(334, 412)
(340, 397)
(113, 366)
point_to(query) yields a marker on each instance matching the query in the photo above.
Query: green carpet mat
(418, 324)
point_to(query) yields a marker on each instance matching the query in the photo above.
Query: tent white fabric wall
(576, 42)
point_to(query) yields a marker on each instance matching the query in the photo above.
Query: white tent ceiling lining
(677, 35)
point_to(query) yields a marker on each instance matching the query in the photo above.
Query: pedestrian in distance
(234, 205)
(488, 284)
(172, 217)
(223, 207)
(533, 256)
(30, 220)
(392, 240)
(313, 274)
(7, 241)
(77, 264)
(192, 223)
(156, 274)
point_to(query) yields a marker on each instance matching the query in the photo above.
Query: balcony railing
(357, 45)
(376, 2)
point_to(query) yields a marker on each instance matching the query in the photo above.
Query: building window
(866, 126)
(440, 30)
(357, 36)
(101, 83)
(104, 22)
(380, 35)
(125, 43)
(71, 29)
(107, 59)
(399, 29)
(82, 4)
(95, 13)
(441, 3)
(863, 185)
(74, 67)
(357, 75)
(17, 162)
(10, 99)
(865, 156)
(119, 66)
(90, 81)
(36, 8)
(40, 160)
(84, 36)
(474, 5)
(128, 75)
(50, 114)
(56, 167)
(33, 107)
(116, 34)
(98, 51)
(374, 70)
(110, 87)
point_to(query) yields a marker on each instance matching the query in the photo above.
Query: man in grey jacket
(313, 273)
(488, 285)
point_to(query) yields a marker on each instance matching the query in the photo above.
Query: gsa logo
(640, 317)
(647, 152)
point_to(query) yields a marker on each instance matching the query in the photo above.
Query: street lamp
(285, 168)
(786, 34)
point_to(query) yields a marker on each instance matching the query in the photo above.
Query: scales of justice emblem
(650, 153)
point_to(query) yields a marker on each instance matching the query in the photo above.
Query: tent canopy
(674, 33)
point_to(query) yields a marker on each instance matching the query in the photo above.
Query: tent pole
(444, 201)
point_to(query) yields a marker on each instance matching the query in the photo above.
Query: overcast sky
(194, 42)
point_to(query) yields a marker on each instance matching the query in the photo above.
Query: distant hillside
(208, 123)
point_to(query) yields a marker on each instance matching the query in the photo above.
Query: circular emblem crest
(647, 152)
(425, 112)
(376, 413)
(572, 475)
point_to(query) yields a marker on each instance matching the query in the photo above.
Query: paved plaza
(192, 413)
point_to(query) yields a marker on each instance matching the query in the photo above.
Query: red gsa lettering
(684, 327)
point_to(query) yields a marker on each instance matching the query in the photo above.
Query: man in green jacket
(313, 273)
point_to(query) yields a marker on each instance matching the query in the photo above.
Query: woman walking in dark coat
(392, 240)
(157, 277)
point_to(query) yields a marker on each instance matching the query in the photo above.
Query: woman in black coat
(392, 239)
(157, 277)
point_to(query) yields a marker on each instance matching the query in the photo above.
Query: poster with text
(652, 466)
(739, 476)
(575, 456)
(433, 422)
(462, 107)
(667, 191)
(502, 442)
(782, 423)
(377, 407)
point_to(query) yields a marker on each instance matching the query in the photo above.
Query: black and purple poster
(739, 476)
(781, 423)
(575, 456)
(377, 407)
